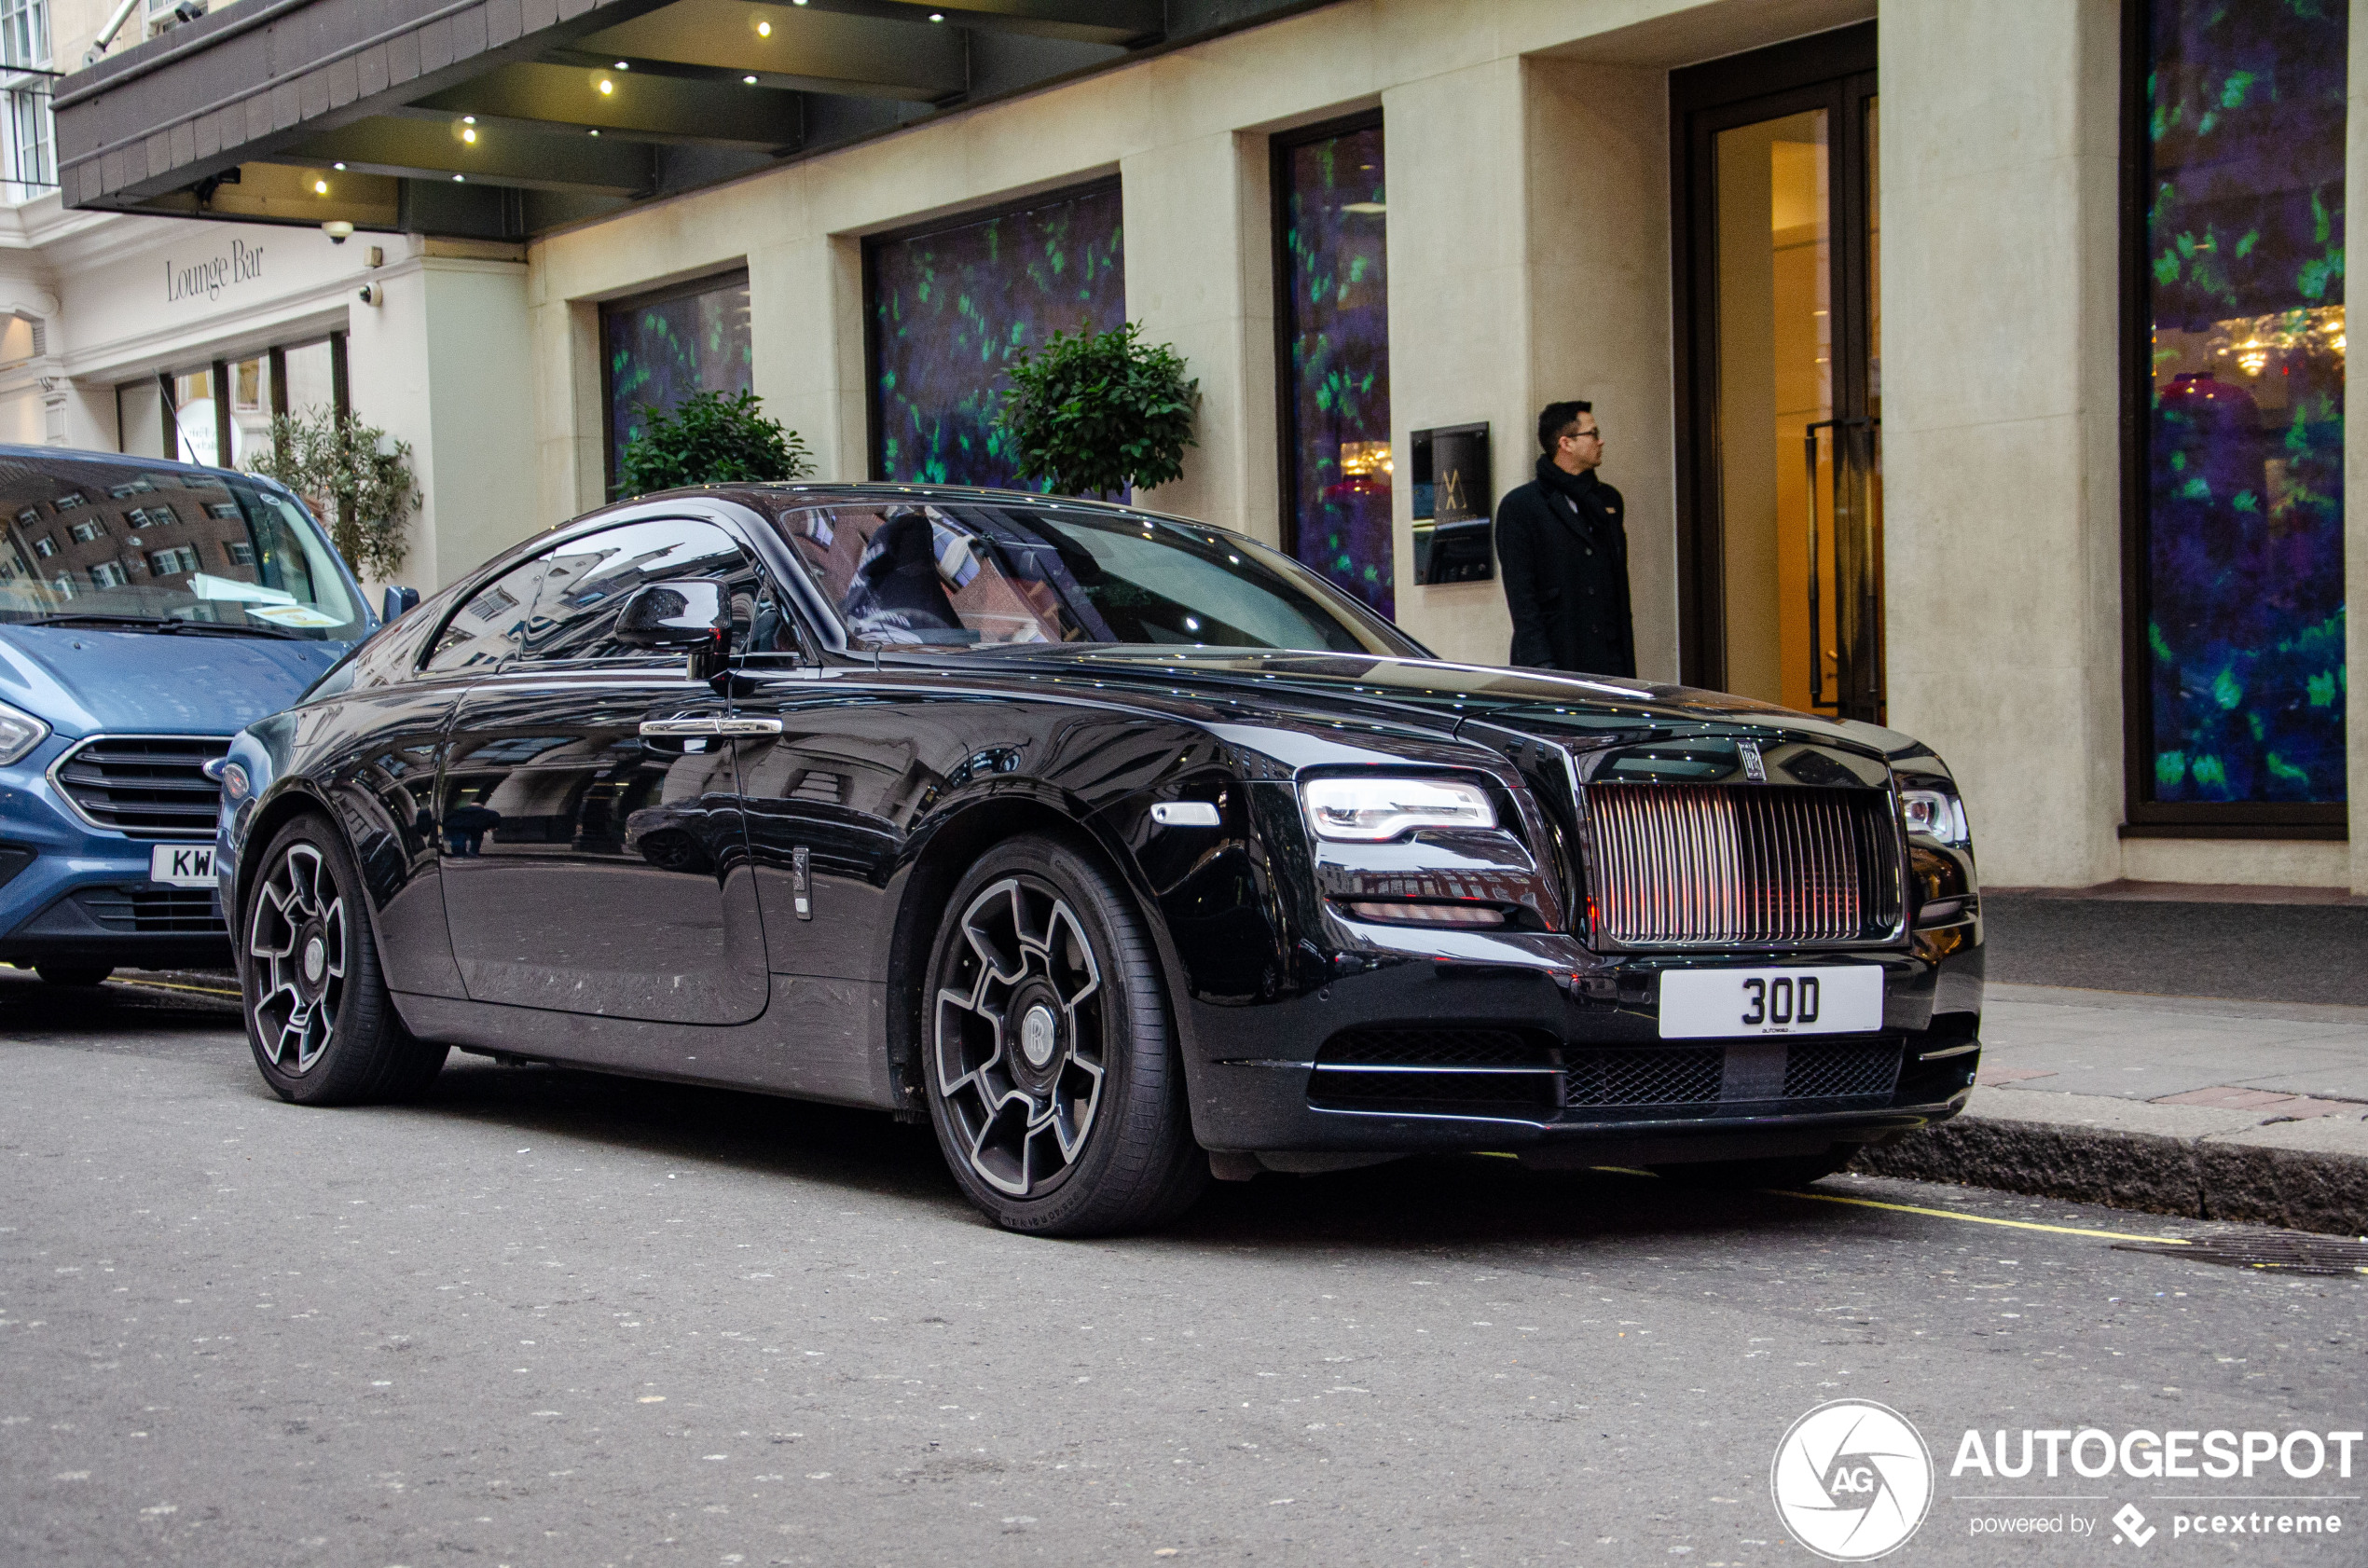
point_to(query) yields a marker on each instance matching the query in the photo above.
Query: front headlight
(1369, 809)
(19, 732)
(1936, 814)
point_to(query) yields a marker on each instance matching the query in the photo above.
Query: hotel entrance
(1780, 537)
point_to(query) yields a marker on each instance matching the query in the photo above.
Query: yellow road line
(169, 986)
(1980, 1218)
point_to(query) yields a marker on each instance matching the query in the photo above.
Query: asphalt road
(548, 1318)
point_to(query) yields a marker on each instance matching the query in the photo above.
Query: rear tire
(70, 973)
(1054, 1083)
(323, 1028)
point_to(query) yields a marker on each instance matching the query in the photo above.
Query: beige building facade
(1562, 181)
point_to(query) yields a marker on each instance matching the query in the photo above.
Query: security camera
(339, 230)
(372, 293)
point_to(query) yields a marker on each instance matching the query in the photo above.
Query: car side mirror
(692, 616)
(399, 603)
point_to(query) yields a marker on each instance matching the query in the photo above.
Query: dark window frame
(1833, 69)
(1279, 147)
(2142, 817)
(875, 431)
(625, 304)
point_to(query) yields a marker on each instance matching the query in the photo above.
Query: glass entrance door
(1782, 317)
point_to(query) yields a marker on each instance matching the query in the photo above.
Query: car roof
(57, 455)
(889, 489)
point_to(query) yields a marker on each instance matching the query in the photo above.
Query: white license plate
(183, 865)
(1703, 1003)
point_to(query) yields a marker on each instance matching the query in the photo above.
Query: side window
(585, 581)
(902, 575)
(484, 632)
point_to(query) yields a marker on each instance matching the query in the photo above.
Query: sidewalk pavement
(2203, 1107)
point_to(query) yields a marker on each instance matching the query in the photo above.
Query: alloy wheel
(297, 940)
(1019, 1052)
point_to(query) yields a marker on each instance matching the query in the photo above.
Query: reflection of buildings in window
(168, 563)
(85, 532)
(108, 574)
(238, 551)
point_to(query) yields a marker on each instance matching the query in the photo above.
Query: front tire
(1054, 1078)
(319, 1019)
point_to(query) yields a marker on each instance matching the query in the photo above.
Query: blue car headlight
(19, 732)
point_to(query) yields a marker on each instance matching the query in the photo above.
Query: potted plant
(354, 478)
(1095, 413)
(711, 439)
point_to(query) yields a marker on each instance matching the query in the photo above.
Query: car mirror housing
(691, 616)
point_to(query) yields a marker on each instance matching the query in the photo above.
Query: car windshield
(962, 575)
(175, 549)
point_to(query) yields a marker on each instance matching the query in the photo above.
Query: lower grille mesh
(1645, 1077)
(1818, 1072)
(166, 911)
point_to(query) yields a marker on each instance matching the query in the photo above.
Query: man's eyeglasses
(1596, 435)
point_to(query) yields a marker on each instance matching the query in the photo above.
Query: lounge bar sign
(206, 279)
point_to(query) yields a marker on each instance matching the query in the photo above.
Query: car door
(593, 857)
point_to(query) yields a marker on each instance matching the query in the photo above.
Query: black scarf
(1574, 485)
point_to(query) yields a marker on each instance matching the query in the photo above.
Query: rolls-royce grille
(145, 786)
(1700, 864)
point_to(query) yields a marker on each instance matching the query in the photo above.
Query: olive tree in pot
(353, 476)
(1094, 413)
(711, 439)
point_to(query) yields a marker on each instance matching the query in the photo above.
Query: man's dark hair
(1556, 422)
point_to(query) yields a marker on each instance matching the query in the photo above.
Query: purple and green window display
(1333, 230)
(2244, 274)
(659, 349)
(952, 306)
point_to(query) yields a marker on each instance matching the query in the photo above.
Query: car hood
(1586, 711)
(85, 681)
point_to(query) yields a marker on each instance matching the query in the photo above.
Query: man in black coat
(1563, 551)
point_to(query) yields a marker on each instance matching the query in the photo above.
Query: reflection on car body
(1119, 846)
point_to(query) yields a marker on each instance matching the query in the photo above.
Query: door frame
(1833, 71)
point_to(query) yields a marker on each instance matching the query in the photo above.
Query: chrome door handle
(673, 727)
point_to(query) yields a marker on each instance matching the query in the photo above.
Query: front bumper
(70, 892)
(1264, 1078)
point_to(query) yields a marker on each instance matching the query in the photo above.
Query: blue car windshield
(98, 542)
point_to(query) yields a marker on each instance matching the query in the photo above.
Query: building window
(108, 574)
(85, 532)
(25, 83)
(2235, 479)
(166, 563)
(657, 350)
(948, 307)
(1333, 276)
(238, 551)
(45, 546)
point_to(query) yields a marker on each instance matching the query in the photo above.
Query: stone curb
(2090, 1149)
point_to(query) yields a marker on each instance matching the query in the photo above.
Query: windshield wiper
(167, 624)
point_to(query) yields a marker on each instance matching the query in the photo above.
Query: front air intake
(1709, 865)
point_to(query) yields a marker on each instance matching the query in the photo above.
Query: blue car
(148, 612)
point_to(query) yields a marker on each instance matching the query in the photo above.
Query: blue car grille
(154, 911)
(143, 786)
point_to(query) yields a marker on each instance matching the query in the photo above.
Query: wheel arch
(929, 880)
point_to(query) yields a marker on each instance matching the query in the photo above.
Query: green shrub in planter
(354, 479)
(1093, 412)
(711, 439)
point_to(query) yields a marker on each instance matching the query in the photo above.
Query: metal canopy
(496, 118)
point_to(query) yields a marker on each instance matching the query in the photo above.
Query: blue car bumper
(73, 891)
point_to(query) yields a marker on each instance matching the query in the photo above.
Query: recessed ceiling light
(595, 131)
(456, 179)
(468, 119)
(625, 66)
(764, 30)
(606, 85)
(750, 80)
(320, 188)
(936, 16)
(336, 165)
(468, 133)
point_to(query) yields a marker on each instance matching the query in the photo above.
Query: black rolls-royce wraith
(1120, 847)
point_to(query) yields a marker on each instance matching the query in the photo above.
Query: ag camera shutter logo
(1852, 1480)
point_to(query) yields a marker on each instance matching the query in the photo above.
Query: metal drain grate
(2299, 1255)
